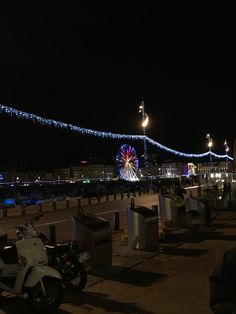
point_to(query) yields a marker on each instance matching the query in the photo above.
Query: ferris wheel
(127, 162)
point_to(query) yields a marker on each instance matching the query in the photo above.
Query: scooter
(24, 269)
(69, 258)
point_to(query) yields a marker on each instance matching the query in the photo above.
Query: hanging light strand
(61, 125)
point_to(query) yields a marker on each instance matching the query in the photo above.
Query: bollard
(128, 194)
(67, 204)
(155, 208)
(22, 210)
(122, 196)
(107, 198)
(54, 205)
(114, 197)
(79, 202)
(80, 211)
(139, 193)
(132, 203)
(116, 222)
(40, 207)
(4, 212)
(89, 201)
(52, 234)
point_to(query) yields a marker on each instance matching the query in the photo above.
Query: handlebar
(21, 227)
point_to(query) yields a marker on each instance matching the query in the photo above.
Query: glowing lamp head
(210, 143)
(140, 108)
(145, 121)
(226, 146)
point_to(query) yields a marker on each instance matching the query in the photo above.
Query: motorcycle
(70, 258)
(24, 269)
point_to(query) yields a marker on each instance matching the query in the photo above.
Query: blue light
(9, 202)
(61, 125)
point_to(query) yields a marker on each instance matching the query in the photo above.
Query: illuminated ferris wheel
(127, 162)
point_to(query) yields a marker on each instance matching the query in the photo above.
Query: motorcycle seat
(58, 248)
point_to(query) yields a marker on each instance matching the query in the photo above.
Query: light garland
(61, 125)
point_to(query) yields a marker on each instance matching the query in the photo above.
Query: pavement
(171, 280)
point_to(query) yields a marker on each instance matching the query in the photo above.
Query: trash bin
(203, 207)
(97, 233)
(142, 228)
(197, 205)
(168, 209)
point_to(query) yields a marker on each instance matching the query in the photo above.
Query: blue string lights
(61, 125)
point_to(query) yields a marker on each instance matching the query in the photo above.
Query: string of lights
(61, 125)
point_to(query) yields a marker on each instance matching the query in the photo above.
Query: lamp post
(209, 144)
(226, 153)
(145, 120)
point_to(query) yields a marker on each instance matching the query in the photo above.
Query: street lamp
(226, 153)
(145, 120)
(209, 144)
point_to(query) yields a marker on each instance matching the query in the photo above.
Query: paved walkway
(173, 282)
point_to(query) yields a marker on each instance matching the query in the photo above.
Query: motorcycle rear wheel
(75, 276)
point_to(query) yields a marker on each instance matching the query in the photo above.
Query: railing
(68, 203)
(75, 202)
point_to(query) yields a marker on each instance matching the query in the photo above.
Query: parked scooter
(24, 269)
(70, 258)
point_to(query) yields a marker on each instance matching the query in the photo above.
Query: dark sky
(91, 65)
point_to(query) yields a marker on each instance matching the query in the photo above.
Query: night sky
(92, 65)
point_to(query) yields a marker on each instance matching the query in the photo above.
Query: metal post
(210, 143)
(155, 208)
(79, 202)
(117, 221)
(132, 203)
(22, 210)
(40, 207)
(52, 234)
(144, 116)
(54, 205)
(4, 211)
(80, 211)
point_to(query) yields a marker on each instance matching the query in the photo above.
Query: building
(173, 169)
(94, 172)
(62, 174)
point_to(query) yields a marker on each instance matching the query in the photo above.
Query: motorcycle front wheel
(49, 302)
(75, 276)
